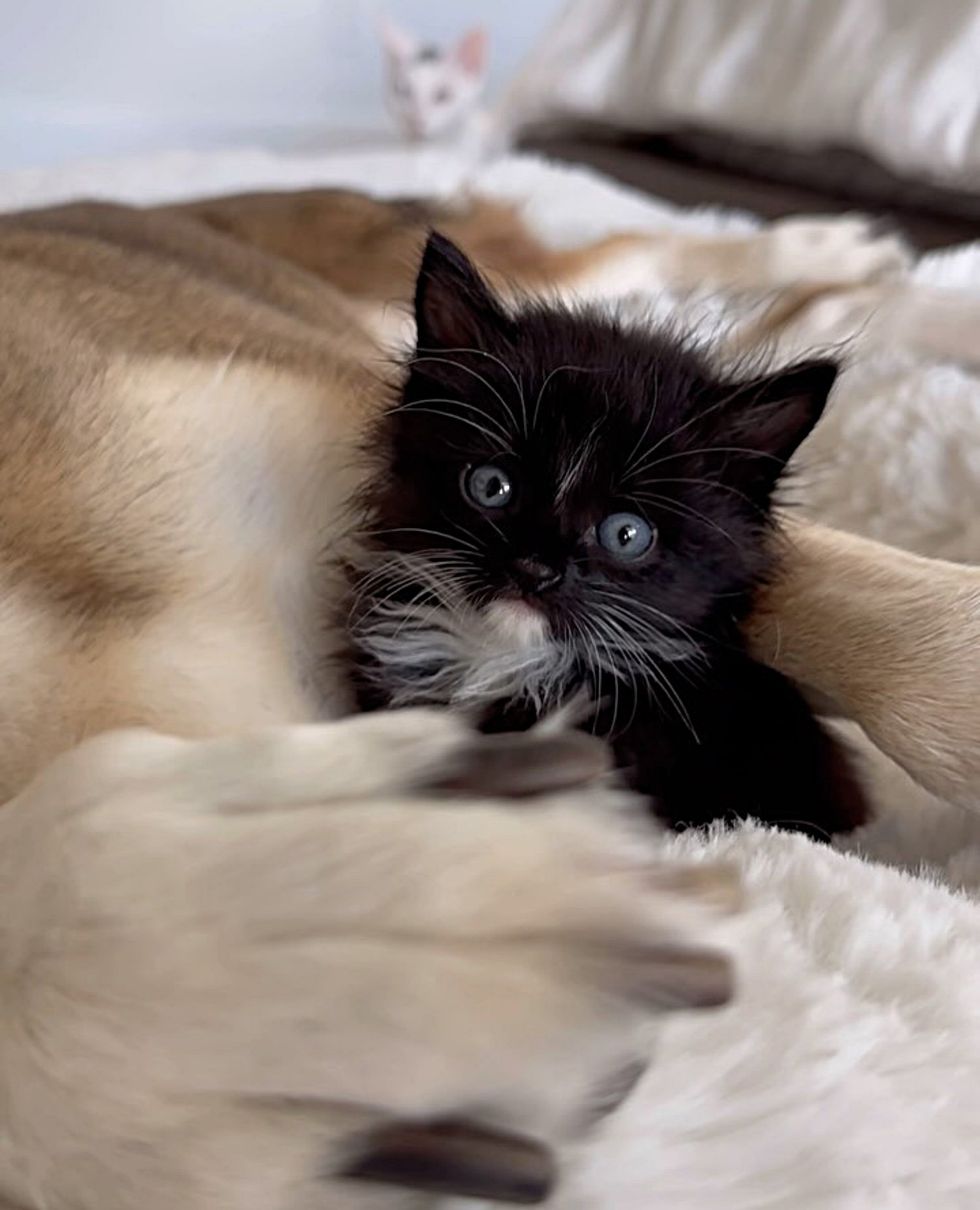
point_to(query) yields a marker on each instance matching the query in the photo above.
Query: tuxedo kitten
(566, 505)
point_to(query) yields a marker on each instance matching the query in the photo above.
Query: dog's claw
(526, 764)
(456, 1159)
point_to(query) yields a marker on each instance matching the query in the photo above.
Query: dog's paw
(832, 251)
(252, 956)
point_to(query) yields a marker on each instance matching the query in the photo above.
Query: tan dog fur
(224, 955)
(888, 639)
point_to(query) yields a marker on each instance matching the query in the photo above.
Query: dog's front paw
(832, 251)
(393, 752)
(233, 964)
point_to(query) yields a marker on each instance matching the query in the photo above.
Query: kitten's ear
(767, 420)
(470, 52)
(454, 308)
(399, 44)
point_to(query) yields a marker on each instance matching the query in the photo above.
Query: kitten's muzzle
(534, 575)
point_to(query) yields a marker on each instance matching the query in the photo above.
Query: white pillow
(899, 79)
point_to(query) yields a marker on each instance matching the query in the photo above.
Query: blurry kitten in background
(433, 92)
(566, 506)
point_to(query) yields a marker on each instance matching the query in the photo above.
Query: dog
(243, 934)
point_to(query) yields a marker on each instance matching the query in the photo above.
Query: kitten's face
(566, 500)
(431, 90)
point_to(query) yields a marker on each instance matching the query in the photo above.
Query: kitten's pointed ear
(768, 419)
(470, 52)
(454, 308)
(397, 42)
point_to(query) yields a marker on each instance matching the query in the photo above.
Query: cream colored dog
(236, 940)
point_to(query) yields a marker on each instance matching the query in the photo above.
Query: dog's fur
(224, 957)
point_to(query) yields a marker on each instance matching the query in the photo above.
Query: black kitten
(565, 503)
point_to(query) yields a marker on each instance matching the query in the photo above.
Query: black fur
(629, 421)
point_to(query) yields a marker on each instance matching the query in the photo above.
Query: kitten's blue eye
(626, 536)
(488, 486)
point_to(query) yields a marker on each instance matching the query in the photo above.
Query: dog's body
(184, 391)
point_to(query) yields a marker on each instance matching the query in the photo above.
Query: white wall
(98, 77)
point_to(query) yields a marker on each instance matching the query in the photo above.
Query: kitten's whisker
(610, 664)
(418, 405)
(587, 632)
(408, 620)
(654, 673)
(647, 647)
(500, 362)
(655, 635)
(683, 510)
(435, 569)
(473, 542)
(415, 529)
(421, 356)
(722, 487)
(633, 603)
(385, 592)
(634, 697)
(480, 378)
(631, 460)
(496, 528)
(544, 387)
(700, 415)
(615, 711)
(652, 670)
(712, 449)
(715, 484)
(480, 428)
(379, 565)
(691, 633)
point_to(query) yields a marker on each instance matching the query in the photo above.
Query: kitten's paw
(834, 251)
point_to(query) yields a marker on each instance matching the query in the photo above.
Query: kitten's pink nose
(535, 575)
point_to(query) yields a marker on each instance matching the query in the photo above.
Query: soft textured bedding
(845, 1075)
(894, 78)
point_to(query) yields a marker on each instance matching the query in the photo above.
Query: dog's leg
(838, 252)
(942, 324)
(935, 323)
(822, 253)
(369, 248)
(888, 639)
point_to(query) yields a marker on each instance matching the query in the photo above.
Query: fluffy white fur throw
(847, 1075)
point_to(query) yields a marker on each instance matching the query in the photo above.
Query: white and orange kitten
(433, 92)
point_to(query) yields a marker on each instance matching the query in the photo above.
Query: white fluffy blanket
(847, 1075)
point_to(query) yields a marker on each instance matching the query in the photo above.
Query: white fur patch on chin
(463, 656)
(519, 625)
